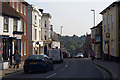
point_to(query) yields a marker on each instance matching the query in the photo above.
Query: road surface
(71, 68)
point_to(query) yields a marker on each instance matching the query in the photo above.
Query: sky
(75, 16)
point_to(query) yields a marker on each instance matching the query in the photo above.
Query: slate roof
(7, 10)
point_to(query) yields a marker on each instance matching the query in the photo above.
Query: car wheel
(46, 69)
(26, 71)
(52, 67)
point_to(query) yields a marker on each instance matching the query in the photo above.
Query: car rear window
(36, 57)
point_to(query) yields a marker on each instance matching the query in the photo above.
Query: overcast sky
(74, 15)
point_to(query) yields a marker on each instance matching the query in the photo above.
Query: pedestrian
(17, 58)
(92, 55)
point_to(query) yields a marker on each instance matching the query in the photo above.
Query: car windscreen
(36, 57)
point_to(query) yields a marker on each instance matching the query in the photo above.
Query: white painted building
(34, 30)
(10, 32)
(46, 32)
(46, 28)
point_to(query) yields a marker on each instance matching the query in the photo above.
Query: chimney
(41, 10)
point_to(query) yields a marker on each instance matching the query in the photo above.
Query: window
(24, 28)
(108, 22)
(21, 48)
(24, 48)
(39, 23)
(104, 47)
(45, 35)
(5, 24)
(39, 36)
(104, 25)
(112, 47)
(46, 59)
(13, 4)
(24, 10)
(15, 25)
(21, 25)
(21, 8)
(36, 57)
(45, 24)
(35, 34)
(51, 33)
(17, 7)
(35, 19)
(112, 22)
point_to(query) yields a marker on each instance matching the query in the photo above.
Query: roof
(96, 26)
(24, 2)
(9, 11)
(47, 14)
(112, 5)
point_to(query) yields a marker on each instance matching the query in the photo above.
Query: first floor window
(21, 8)
(5, 24)
(24, 10)
(15, 25)
(45, 35)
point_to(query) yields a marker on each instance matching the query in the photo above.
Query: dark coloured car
(38, 63)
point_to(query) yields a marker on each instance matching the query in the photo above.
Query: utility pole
(93, 16)
(61, 30)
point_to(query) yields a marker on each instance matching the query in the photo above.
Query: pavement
(11, 70)
(111, 66)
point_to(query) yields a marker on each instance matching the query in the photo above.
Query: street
(71, 68)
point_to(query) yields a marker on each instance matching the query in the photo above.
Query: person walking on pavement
(92, 55)
(17, 57)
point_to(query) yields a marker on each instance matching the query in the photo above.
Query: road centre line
(51, 75)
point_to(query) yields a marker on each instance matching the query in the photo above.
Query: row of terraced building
(25, 28)
(105, 37)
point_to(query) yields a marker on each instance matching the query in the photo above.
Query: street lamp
(61, 30)
(93, 16)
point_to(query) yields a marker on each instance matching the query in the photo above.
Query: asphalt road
(72, 68)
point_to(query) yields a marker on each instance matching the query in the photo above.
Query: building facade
(111, 27)
(10, 32)
(97, 40)
(45, 32)
(21, 8)
(86, 50)
(34, 30)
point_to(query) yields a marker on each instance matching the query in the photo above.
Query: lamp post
(93, 16)
(61, 30)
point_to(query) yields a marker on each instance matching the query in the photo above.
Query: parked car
(79, 55)
(38, 63)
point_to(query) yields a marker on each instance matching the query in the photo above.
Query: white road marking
(63, 68)
(51, 75)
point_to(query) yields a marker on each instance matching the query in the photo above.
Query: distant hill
(73, 43)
